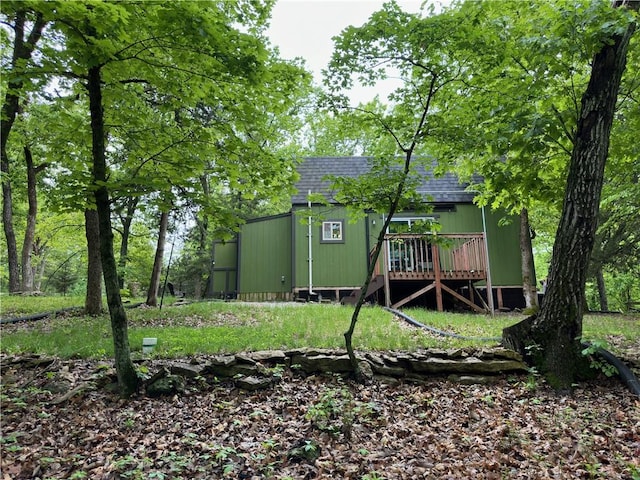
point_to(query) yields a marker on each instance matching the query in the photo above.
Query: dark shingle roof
(444, 189)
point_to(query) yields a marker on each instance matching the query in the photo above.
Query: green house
(326, 256)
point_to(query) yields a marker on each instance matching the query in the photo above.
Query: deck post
(436, 269)
(385, 271)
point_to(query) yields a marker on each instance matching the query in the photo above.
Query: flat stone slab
(323, 363)
(252, 383)
(186, 369)
(231, 370)
(223, 360)
(269, 356)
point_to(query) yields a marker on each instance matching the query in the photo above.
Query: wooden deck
(441, 262)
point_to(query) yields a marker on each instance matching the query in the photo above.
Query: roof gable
(312, 170)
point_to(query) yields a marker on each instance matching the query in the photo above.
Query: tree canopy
(170, 93)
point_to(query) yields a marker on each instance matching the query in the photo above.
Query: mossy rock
(168, 385)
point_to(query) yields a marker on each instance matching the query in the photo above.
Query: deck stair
(377, 282)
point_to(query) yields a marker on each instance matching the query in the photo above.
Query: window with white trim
(332, 231)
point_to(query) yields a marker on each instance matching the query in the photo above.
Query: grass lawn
(17, 305)
(226, 327)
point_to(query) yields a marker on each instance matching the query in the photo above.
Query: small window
(332, 231)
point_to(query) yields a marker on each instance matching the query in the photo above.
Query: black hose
(42, 316)
(440, 332)
(38, 316)
(624, 372)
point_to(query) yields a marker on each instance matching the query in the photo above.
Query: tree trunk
(526, 255)
(93, 295)
(203, 251)
(209, 287)
(40, 251)
(128, 379)
(126, 220)
(26, 285)
(552, 338)
(197, 287)
(602, 291)
(393, 207)
(124, 251)
(154, 284)
(22, 51)
(7, 224)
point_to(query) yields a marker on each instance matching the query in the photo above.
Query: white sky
(304, 28)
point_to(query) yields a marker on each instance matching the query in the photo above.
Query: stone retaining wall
(254, 370)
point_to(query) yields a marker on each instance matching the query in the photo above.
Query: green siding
(224, 282)
(465, 219)
(504, 250)
(225, 256)
(268, 247)
(334, 264)
(265, 255)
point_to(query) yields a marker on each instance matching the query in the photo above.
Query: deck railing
(446, 256)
